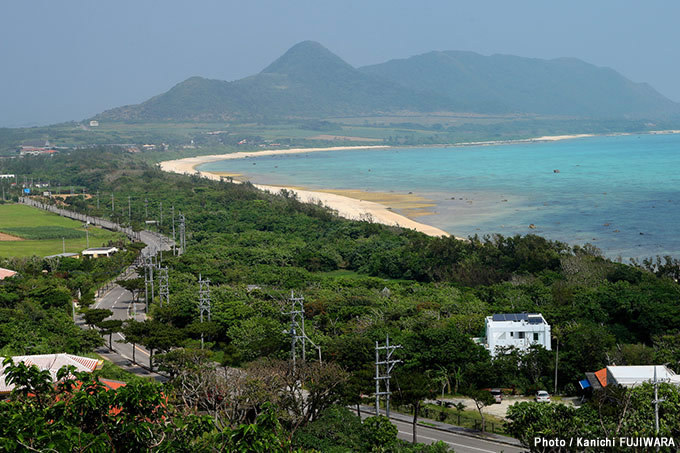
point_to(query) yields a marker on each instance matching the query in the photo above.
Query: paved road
(451, 435)
(120, 302)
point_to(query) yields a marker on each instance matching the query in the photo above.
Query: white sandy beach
(347, 207)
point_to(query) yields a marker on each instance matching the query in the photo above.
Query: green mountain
(310, 81)
(510, 84)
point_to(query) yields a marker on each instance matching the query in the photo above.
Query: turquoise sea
(620, 193)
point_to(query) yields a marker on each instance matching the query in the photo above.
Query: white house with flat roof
(516, 330)
(629, 376)
(96, 252)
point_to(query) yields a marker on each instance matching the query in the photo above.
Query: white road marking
(447, 442)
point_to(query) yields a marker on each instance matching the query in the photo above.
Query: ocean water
(619, 193)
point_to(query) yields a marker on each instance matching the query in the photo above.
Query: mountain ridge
(309, 80)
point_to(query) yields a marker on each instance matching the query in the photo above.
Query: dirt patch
(9, 237)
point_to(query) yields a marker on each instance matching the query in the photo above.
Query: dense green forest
(361, 282)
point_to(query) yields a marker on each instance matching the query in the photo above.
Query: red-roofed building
(52, 363)
(6, 273)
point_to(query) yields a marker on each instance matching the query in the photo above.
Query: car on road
(542, 396)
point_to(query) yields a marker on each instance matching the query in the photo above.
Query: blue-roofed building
(516, 330)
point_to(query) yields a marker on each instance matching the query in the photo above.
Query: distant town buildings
(515, 330)
(36, 147)
(94, 123)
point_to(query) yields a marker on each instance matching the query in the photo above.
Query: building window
(535, 337)
(520, 335)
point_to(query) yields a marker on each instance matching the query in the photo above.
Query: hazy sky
(67, 60)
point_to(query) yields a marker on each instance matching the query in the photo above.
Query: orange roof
(602, 376)
(4, 273)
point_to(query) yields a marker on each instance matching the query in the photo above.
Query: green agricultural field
(41, 233)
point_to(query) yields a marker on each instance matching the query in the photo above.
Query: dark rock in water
(642, 234)
(607, 224)
(410, 193)
(556, 171)
(617, 231)
(532, 226)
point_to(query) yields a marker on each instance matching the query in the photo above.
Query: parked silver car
(542, 396)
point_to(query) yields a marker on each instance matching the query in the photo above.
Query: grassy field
(41, 232)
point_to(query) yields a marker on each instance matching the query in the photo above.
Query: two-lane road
(451, 435)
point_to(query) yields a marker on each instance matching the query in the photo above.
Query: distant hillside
(310, 81)
(505, 83)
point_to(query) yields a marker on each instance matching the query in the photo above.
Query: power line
(387, 365)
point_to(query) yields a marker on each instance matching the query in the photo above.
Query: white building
(516, 330)
(96, 252)
(51, 363)
(628, 376)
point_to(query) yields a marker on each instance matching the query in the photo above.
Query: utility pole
(161, 209)
(163, 285)
(387, 365)
(297, 328)
(97, 200)
(203, 300)
(113, 203)
(146, 208)
(656, 403)
(87, 235)
(63, 245)
(148, 278)
(146, 282)
(129, 211)
(182, 234)
(174, 246)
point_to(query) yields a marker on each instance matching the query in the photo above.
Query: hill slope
(310, 81)
(505, 83)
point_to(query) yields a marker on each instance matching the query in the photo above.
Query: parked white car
(542, 396)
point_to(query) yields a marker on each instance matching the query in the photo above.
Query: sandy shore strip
(351, 204)
(346, 206)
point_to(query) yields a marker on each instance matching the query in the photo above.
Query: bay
(620, 193)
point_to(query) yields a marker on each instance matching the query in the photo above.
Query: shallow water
(620, 193)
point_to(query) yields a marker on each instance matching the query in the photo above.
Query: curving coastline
(350, 208)
(353, 206)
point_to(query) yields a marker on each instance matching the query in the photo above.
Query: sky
(68, 60)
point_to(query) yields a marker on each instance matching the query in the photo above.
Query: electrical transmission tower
(182, 234)
(174, 246)
(163, 285)
(297, 328)
(148, 278)
(203, 300)
(384, 366)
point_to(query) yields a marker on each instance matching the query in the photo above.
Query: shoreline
(353, 208)
(347, 207)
